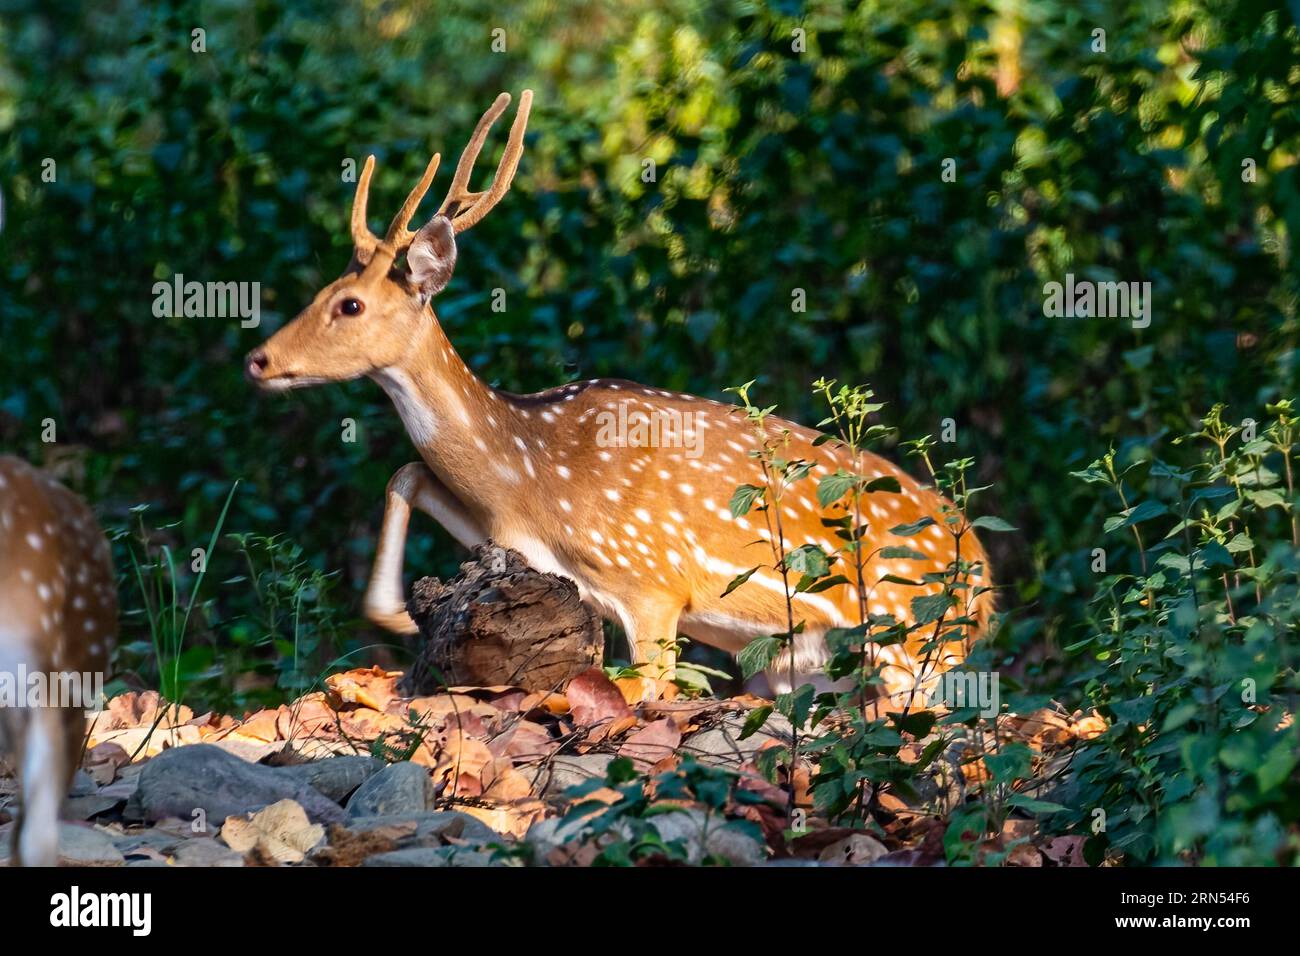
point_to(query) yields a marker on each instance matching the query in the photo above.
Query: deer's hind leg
(412, 485)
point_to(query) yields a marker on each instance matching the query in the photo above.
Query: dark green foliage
(1193, 659)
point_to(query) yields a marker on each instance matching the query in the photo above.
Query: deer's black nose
(255, 365)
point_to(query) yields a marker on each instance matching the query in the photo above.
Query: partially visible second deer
(643, 528)
(58, 616)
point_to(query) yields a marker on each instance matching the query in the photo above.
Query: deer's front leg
(652, 633)
(411, 485)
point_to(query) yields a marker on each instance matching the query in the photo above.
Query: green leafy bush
(1191, 655)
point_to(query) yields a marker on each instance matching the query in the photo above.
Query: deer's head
(366, 320)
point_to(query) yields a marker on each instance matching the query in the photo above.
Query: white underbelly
(722, 631)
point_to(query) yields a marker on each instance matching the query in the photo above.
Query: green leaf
(808, 559)
(796, 706)
(884, 483)
(738, 580)
(1215, 555)
(901, 553)
(1277, 766)
(918, 724)
(755, 720)
(992, 523)
(1266, 499)
(907, 530)
(883, 737)
(931, 607)
(834, 486)
(1179, 716)
(1012, 762)
(743, 499)
(895, 579)
(1144, 511)
(1034, 806)
(833, 581)
(1240, 542)
(758, 654)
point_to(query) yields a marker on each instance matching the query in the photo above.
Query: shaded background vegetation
(777, 170)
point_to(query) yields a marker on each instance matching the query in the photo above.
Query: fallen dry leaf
(368, 724)
(652, 743)
(1041, 728)
(858, 849)
(1015, 829)
(307, 717)
(524, 741)
(461, 763)
(547, 701)
(635, 690)
(1065, 851)
(280, 832)
(512, 819)
(259, 726)
(103, 762)
(685, 713)
(436, 707)
(1024, 855)
(594, 699)
(371, 687)
(1094, 725)
(608, 730)
(502, 783)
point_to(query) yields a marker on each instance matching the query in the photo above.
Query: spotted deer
(642, 527)
(58, 620)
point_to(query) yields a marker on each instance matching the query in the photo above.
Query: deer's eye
(352, 307)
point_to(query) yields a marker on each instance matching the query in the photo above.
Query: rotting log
(500, 622)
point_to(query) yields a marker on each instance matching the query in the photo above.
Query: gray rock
(568, 770)
(184, 779)
(722, 839)
(792, 862)
(129, 844)
(432, 827)
(205, 851)
(399, 789)
(335, 777)
(82, 784)
(553, 832)
(83, 807)
(86, 846)
(704, 834)
(721, 746)
(431, 856)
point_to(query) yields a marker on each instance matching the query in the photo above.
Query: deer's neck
(465, 430)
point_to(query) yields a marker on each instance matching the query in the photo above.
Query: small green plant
(628, 831)
(809, 562)
(295, 629)
(1190, 652)
(166, 609)
(859, 749)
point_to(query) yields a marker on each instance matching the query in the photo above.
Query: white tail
(620, 487)
(58, 619)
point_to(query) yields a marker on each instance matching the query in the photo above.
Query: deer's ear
(431, 258)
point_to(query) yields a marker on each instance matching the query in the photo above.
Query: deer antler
(464, 208)
(363, 240)
(399, 237)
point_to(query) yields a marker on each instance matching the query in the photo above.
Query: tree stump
(500, 622)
